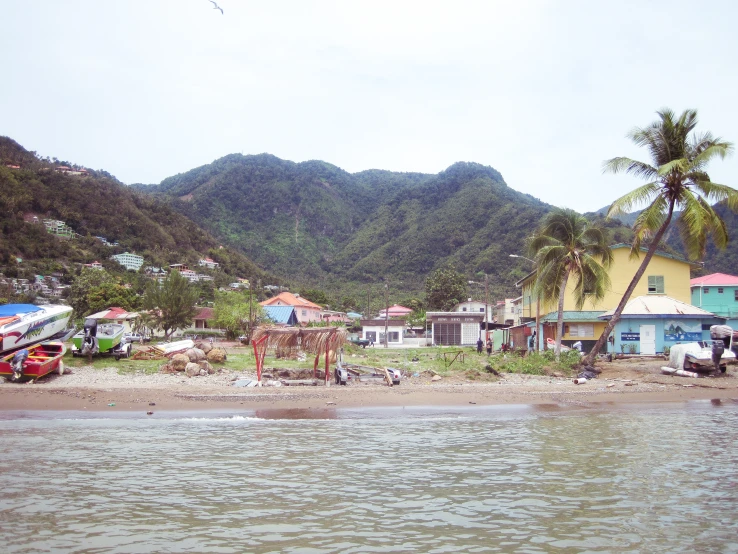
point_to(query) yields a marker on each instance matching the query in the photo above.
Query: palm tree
(677, 181)
(568, 246)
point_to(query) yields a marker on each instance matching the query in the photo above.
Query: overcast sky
(543, 91)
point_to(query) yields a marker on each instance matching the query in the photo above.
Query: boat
(100, 338)
(708, 355)
(169, 348)
(22, 325)
(34, 361)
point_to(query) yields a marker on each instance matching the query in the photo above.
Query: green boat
(98, 338)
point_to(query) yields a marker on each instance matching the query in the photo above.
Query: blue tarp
(15, 309)
(281, 314)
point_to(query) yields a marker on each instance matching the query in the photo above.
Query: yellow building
(666, 275)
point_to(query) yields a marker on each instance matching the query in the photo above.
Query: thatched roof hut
(313, 340)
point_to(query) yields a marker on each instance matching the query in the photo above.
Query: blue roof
(15, 309)
(353, 315)
(281, 314)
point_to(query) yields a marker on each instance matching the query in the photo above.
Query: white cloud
(542, 91)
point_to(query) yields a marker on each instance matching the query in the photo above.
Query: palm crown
(677, 181)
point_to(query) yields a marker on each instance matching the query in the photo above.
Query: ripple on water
(655, 479)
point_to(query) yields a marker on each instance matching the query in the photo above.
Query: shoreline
(86, 389)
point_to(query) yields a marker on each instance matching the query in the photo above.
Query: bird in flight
(217, 7)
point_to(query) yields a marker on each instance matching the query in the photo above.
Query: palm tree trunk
(589, 358)
(560, 318)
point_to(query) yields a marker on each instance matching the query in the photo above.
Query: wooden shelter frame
(312, 340)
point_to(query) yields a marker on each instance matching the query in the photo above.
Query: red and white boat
(34, 362)
(22, 325)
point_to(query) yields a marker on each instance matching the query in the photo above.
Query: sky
(543, 91)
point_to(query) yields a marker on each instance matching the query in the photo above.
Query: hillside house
(209, 263)
(395, 311)
(306, 311)
(204, 318)
(129, 260)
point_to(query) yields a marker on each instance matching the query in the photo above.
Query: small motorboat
(24, 324)
(100, 338)
(706, 355)
(34, 362)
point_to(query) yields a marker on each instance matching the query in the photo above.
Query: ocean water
(484, 479)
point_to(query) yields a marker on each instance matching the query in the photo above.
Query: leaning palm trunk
(560, 317)
(589, 358)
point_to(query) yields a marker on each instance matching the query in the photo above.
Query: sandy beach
(633, 380)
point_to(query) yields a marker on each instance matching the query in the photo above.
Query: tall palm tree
(677, 181)
(567, 246)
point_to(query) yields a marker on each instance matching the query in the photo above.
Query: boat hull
(43, 358)
(108, 336)
(31, 325)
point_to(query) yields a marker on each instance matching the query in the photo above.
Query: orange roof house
(306, 311)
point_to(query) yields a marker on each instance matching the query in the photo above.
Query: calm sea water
(512, 479)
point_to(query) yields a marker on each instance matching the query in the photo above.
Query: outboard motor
(89, 343)
(720, 335)
(17, 364)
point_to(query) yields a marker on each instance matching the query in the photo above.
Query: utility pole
(486, 308)
(386, 313)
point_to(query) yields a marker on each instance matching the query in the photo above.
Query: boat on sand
(22, 325)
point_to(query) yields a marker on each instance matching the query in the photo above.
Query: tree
(232, 313)
(445, 288)
(95, 289)
(567, 246)
(677, 181)
(171, 305)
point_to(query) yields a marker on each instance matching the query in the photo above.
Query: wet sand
(622, 382)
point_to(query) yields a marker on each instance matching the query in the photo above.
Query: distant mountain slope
(93, 205)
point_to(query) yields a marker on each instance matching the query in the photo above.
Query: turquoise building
(717, 293)
(650, 323)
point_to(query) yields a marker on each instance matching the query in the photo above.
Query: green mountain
(318, 225)
(94, 205)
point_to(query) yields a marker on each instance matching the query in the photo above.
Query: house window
(481, 309)
(371, 336)
(304, 312)
(720, 291)
(463, 309)
(705, 291)
(735, 294)
(581, 330)
(656, 284)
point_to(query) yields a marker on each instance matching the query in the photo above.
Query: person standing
(489, 347)
(480, 344)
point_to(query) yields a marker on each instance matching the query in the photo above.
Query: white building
(129, 261)
(210, 264)
(476, 307)
(455, 328)
(373, 330)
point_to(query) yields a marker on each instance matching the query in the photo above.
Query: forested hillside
(94, 205)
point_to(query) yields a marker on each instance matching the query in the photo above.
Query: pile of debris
(194, 361)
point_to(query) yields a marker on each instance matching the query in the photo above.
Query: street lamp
(516, 256)
(538, 305)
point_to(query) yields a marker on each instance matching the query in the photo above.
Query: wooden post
(259, 354)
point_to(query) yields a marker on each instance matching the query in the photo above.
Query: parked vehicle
(359, 341)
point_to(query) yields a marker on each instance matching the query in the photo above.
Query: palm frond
(626, 203)
(627, 165)
(714, 192)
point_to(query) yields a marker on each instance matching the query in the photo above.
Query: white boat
(712, 354)
(168, 348)
(25, 324)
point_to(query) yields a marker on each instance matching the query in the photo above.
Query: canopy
(15, 309)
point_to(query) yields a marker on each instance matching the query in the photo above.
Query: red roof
(289, 299)
(205, 313)
(714, 280)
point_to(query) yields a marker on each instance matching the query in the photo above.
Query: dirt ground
(630, 380)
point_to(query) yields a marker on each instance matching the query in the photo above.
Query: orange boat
(34, 362)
